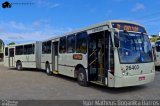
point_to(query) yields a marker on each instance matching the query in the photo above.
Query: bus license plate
(141, 78)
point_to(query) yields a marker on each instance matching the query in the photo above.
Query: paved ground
(33, 85)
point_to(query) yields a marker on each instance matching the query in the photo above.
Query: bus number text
(132, 67)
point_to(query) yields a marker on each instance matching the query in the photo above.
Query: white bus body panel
(28, 61)
(67, 64)
(131, 77)
(6, 61)
(46, 58)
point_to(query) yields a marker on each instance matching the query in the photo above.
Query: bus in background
(114, 53)
(23, 55)
(153, 50)
(156, 47)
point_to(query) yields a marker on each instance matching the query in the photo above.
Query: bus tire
(48, 69)
(19, 66)
(82, 77)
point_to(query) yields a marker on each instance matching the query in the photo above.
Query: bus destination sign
(128, 27)
(77, 56)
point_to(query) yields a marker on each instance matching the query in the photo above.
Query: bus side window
(6, 51)
(43, 47)
(48, 47)
(62, 46)
(19, 50)
(71, 44)
(28, 49)
(81, 42)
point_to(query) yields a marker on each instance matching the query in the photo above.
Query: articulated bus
(23, 55)
(113, 53)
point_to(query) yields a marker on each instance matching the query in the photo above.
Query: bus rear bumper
(134, 80)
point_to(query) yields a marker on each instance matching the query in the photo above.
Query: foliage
(154, 35)
(1, 45)
(12, 43)
(158, 38)
(154, 38)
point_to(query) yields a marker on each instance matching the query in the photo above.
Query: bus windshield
(134, 48)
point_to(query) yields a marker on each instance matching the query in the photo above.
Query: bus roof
(91, 27)
(22, 44)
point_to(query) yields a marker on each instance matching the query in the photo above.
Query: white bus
(156, 49)
(23, 55)
(114, 53)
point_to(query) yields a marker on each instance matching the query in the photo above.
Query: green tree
(153, 39)
(158, 38)
(12, 43)
(154, 35)
(1, 45)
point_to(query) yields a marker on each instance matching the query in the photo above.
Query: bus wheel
(82, 78)
(19, 66)
(48, 70)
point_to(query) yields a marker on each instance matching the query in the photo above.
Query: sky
(42, 19)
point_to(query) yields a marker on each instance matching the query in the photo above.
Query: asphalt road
(36, 85)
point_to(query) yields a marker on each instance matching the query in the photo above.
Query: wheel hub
(18, 67)
(81, 76)
(47, 70)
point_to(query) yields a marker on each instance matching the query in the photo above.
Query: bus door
(109, 59)
(11, 57)
(55, 56)
(96, 57)
(100, 56)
